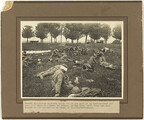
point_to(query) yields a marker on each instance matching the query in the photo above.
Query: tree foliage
(117, 32)
(105, 32)
(86, 30)
(55, 30)
(41, 32)
(66, 32)
(95, 31)
(27, 32)
(73, 31)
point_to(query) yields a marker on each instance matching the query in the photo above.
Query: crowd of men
(61, 55)
(59, 78)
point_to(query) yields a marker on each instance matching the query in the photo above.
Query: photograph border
(121, 19)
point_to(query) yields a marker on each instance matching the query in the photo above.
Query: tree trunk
(86, 39)
(105, 41)
(61, 35)
(41, 40)
(77, 40)
(55, 40)
(27, 40)
(61, 38)
(72, 41)
(51, 38)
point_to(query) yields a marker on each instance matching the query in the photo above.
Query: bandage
(63, 68)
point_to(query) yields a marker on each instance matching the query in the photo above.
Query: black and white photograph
(72, 59)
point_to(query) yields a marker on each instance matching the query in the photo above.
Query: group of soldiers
(75, 51)
(61, 80)
(61, 55)
(100, 59)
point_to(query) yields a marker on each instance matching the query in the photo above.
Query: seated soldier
(89, 66)
(103, 62)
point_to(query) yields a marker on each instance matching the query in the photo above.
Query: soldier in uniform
(89, 66)
(59, 78)
(60, 81)
(105, 64)
(50, 71)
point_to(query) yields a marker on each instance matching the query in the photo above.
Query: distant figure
(106, 49)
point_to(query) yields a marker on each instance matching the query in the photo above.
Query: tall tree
(73, 31)
(117, 32)
(27, 32)
(41, 32)
(55, 30)
(51, 28)
(105, 31)
(62, 26)
(79, 31)
(95, 31)
(66, 33)
(86, 30)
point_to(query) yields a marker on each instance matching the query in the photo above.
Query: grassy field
(109, 81)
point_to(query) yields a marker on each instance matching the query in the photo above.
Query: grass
(109, 81)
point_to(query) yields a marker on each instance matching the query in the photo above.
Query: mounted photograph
(72, 59)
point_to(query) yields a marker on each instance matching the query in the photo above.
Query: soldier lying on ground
(56, 54)
(87, 92)
(59, 78)
(60, 81)
(50, 71)
(62, 58)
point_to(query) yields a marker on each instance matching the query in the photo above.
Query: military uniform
(105, 64)
(60, 80)
(90, 64)
(50, 71)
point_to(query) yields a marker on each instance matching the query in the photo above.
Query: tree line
(73, 31)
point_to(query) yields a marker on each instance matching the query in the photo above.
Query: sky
(112, 24)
